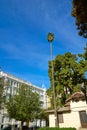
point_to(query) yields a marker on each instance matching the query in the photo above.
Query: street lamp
(50, 38)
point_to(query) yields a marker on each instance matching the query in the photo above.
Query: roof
(60, 110)
(76, 97)
(67, 104)
(64, 109)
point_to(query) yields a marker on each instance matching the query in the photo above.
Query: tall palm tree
(50, 37)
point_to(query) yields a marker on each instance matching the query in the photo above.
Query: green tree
(83, 64)
(50, 38)
(79, 11)
(1, 90)
(24, 106)
(43, 115)
(68, 76)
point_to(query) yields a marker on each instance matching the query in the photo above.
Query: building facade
(11, 84)
(73, 114)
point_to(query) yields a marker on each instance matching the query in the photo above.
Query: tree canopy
(50, 37)
(25, 105)
(79, 11)
(68, 75)
(1, 90)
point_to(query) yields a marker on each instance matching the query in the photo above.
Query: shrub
(56, 128)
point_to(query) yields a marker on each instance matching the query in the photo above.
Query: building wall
(51, 120)
(69, 120)
(72, 118)
(78, 106)
(14, 83)
(48, 102)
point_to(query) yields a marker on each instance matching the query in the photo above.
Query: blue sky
(24, 25)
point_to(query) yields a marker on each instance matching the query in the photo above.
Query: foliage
(1, 90)
(83, 64)
(25, 105)
(50, 37)
(44, 115)
(79, 11)
(56, 128)
(68, 75)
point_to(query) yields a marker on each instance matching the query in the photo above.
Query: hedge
(50, 128)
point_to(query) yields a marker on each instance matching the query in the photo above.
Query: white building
(73, 114)
(11, 83)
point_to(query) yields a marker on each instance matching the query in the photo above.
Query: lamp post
(50, 39)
